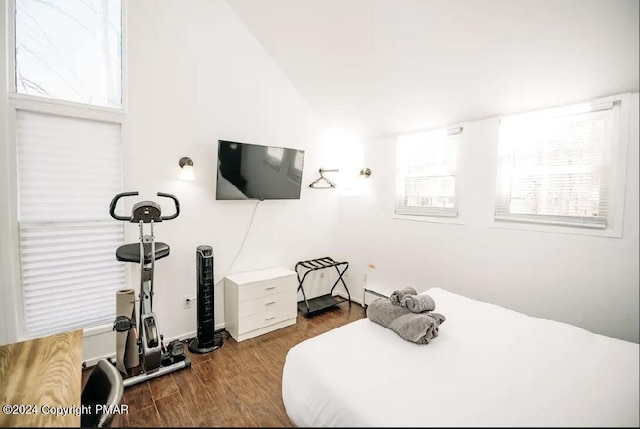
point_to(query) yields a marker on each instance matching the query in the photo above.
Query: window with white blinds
(295, 168)
(555, 166)
(274, 156)
(68, 171)
(427, 164)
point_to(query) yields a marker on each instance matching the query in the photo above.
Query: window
(558, 166)
(66, 104)
(427, 165)
(69, 50)
(273, 156)
(295, 168)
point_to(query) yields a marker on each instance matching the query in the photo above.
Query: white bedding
(489, 366)
(227, 190)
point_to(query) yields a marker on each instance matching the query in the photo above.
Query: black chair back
(104, 388)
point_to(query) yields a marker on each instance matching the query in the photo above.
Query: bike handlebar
(114, 202)
(175, 203)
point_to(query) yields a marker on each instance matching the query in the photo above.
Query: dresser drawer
(277, 312)
(266, 303)
(266, 288)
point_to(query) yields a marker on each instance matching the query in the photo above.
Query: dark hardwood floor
(240, 384)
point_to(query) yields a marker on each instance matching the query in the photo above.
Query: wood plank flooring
(238, 385)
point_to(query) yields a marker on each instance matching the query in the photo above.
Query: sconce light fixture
(186, 166)
(366, 172)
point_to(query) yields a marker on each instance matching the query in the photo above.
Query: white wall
(591, 282)
(196, 75)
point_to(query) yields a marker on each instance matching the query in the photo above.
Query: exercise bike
(156, 358)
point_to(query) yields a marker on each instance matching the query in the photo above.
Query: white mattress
(489, 366)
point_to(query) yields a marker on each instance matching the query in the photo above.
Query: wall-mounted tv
(251, 171)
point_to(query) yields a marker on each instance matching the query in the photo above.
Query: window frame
(15, 304)
(11, 65)
(616, 186)
(430, 214)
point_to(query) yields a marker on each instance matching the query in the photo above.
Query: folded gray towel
(418, 303)
(396, 296)
(419, 328)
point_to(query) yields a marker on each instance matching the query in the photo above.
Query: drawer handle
(269, 318)
(269, 303)
(269, 288)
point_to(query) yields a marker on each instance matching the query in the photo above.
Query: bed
(489, 366)
(227, 190)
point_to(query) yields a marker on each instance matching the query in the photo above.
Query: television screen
(250, 171)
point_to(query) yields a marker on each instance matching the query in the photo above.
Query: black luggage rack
(308, 307)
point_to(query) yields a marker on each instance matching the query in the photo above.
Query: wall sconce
(186, 166)
(366, 172)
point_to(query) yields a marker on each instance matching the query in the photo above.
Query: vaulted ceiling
(376, 67)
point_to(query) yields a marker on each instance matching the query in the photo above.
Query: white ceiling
(377, 67)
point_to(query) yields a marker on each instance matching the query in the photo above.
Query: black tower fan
(207, 339)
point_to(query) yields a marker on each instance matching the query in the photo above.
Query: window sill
(430, 219)
(96, 330)
(66, 108)
(555, 229)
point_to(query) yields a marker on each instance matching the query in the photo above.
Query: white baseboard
(187, 335)
(94, 361)
(345, 296)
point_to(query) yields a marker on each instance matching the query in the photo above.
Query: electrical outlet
(321, 275)
(187, 301)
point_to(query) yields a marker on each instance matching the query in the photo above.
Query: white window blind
(427, 165)
(68, 171)
(554, 166)
(295, 167)
(274, 156)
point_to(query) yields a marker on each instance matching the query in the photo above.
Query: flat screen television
(251, 171)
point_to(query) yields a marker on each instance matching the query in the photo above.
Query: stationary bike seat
(131, 252)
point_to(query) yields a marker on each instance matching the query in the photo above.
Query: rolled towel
(419, 328)
(418, 303)
(397, 295)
